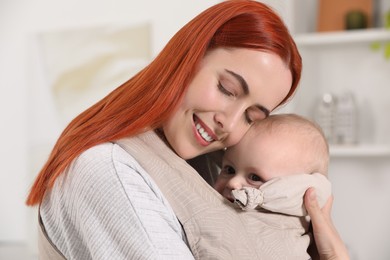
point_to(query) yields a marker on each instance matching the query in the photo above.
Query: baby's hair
(311, 135)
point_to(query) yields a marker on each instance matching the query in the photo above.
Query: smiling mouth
(202, 131)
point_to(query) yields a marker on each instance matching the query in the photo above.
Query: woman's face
(232, 89)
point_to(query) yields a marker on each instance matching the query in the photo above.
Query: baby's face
(259, 157)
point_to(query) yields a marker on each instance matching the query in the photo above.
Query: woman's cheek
(236, 136)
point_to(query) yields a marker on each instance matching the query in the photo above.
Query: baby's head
(281, 145)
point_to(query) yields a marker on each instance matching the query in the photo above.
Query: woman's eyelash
(248, 119)
(224, 90)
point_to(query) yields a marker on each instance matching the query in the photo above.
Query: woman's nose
(229, 119)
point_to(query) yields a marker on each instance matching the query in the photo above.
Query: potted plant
(376, 46)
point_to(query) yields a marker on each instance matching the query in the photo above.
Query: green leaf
(375, 46)
(387, 20)
(387, 51)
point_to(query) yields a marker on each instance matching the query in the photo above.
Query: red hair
(149, 98)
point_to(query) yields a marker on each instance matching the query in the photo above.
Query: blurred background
(59, 57)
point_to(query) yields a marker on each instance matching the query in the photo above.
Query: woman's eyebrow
(245, 89)
(241, 80)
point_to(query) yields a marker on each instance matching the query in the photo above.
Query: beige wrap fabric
(284, 194)
(47, 250)
(216, 228)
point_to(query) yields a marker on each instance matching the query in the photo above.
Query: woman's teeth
(203, 133)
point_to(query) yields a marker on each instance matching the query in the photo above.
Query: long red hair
(150, 97)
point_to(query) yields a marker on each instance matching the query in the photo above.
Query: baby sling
(214, 228)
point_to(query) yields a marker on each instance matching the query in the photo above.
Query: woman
(230, 66)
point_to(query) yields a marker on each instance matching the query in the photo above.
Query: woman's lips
(202, 133)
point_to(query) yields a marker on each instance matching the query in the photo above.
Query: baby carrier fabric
(215, 228)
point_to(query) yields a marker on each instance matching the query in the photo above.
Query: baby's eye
(254, 177)
(229, 170)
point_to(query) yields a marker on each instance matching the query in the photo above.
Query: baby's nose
(235, 183)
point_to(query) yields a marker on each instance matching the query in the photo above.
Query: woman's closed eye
(225, 91)
(254, 114)
(248, 118)
(251, 114)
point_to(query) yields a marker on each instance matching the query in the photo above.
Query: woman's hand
(328, 242)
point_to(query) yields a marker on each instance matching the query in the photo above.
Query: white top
(107, 207)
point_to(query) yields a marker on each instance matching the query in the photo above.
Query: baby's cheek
(219, 186)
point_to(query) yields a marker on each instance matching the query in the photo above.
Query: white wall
(361, 207)
(20, 22)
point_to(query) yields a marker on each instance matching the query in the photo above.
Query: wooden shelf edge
(342, 37)
(359, 151)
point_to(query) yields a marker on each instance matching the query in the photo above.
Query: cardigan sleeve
(107, 207)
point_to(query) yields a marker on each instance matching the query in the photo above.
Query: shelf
(342, 37)
(359, 151)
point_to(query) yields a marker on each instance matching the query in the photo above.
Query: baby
(270, 170)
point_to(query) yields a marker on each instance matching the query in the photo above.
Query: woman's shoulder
(109, 163)
(101, 175)
(102, 158)
(101, 201)
(104, 153)
(92, 172)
